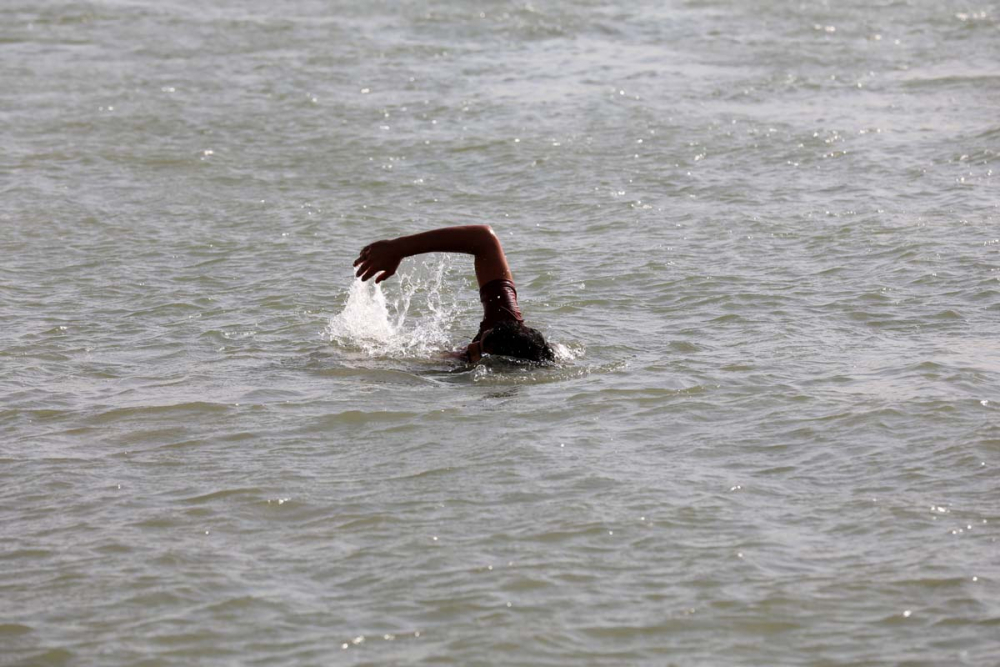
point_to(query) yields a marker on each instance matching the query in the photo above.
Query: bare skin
(381, 259)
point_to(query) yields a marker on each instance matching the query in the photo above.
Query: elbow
(486, 237)
(492, 239)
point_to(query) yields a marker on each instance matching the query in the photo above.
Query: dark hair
(513, 339)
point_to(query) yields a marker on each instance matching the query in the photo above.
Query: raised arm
(383, 257)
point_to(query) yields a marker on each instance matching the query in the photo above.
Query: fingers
(366, 266)
(363, 255)
(367, 270)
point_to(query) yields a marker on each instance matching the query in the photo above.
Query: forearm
(468, 239)
(382, 258)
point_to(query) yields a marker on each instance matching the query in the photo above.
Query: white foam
(412, 317)
(567, 352)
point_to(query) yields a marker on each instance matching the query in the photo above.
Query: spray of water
(566, 353)
(412, 317)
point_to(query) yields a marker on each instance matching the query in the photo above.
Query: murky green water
(764, 236)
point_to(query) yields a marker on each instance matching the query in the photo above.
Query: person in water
(502, 331)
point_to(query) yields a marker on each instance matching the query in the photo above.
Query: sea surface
(762, 235)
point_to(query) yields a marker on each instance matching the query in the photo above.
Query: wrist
(402, 247)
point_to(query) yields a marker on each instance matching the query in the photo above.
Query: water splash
(412, 317)
(567, 352)
(415, 315)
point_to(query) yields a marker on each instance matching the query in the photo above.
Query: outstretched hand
(379, 257)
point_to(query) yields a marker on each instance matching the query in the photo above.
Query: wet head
(512, 339)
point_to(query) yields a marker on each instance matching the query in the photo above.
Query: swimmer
(502, 331)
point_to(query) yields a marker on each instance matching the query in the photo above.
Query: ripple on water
(762, 240)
